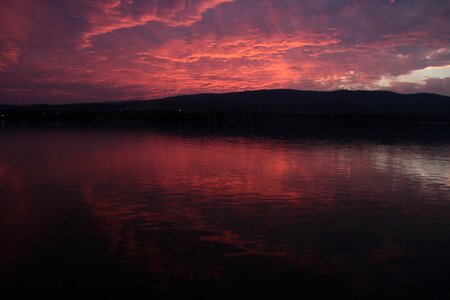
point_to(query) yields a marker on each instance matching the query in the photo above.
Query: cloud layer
(86, 50)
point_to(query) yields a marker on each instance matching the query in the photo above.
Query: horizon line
(224, 93)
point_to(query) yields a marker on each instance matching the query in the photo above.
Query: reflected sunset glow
(185, 207)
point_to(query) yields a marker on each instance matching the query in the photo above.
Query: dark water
(141, 212)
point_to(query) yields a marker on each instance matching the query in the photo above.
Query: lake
(123, 211)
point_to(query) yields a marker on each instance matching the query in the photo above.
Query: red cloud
(107, 16)
(69, 51)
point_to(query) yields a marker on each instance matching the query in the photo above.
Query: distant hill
(252, 105)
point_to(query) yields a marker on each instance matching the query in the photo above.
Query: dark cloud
(88, 50)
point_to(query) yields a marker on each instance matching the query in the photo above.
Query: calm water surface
(128, 212)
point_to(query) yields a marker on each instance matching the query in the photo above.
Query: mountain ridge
(250, 104)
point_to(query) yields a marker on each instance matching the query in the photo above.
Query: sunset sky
(62, 51)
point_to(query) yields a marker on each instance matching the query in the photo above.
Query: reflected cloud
(185, 206)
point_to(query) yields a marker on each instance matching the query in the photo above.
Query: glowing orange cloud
(70, 51)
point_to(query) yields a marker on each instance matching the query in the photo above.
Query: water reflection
(175, 210)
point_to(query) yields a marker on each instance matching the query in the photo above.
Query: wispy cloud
(85, 50)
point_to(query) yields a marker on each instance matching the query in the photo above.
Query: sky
(65, 51)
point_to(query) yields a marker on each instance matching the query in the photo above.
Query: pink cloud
(70, 51)
(107, 16)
